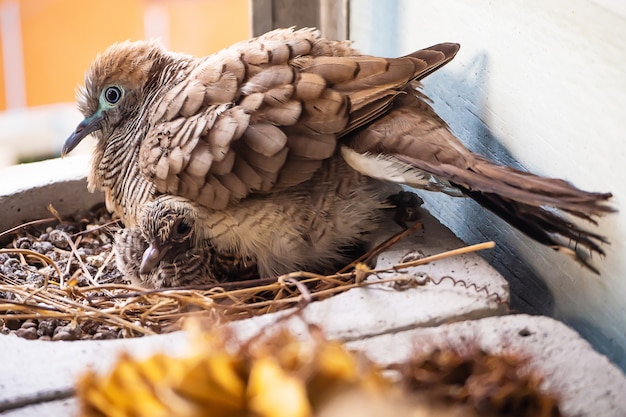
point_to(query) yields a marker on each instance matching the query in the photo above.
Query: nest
(58, 281)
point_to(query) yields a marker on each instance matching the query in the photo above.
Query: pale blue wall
(545, 81)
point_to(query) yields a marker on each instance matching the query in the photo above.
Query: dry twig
(139, 311)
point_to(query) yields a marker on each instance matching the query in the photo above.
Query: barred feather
(247, 132)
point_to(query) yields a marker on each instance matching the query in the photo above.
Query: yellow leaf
(274, 393)
(214, 384)
(125, 392)
(335, 362)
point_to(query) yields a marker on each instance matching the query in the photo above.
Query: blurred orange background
(46, 45)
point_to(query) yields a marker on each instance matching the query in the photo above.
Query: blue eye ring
(112, 94)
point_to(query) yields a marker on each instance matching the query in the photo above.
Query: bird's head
(169, 226)
(114, 87)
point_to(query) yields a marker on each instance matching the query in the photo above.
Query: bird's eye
(112, 94)
(182, 229)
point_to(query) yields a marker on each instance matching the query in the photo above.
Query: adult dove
(261, 117)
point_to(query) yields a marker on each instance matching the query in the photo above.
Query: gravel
(92, 233)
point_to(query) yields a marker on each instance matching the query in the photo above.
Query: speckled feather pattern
(295, 229)
(184, 266)
(258, 116)
(248, 134)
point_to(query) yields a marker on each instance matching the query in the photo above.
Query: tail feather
(522, 187)
(507, 194)
(413, 137)
(532, 218)
(559, 190)
(543, 226)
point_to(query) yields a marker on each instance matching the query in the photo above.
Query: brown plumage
(165, 250)
(183, 265)
(309, 227)
(261, 116)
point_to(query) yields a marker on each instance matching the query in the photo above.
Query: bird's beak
(87, 126)
(152, 256)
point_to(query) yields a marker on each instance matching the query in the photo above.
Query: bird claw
(407, 206)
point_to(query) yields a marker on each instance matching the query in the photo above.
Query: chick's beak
(151, 257)
(87, 126)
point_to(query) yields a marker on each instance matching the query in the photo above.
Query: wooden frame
(330, 16)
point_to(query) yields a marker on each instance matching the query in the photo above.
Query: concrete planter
(27, 189)
(380, 320)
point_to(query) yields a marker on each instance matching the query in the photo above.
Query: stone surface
(353, 315)
(28, 189)
(32, 366)
(384, 321)
(587, 383)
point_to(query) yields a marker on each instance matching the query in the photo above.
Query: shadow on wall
(459, 101)
(600, 341)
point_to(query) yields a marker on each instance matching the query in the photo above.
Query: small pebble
(12, 324)
(48, 271)
(12, 263)
(37, 280)
(19, 274)
(105, 336)
(42, 247)
(58, 239)
(23, 243)
(67, 332)
(56, 256)
(67, 228)
(84, 252)
(29, 324)
(90, 326)
(96, 260)
(63, 336)
(9, 296)
(47, 327)
(29, 333)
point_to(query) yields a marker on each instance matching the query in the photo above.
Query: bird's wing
(411, 139)
(414, 135)
(263, 114)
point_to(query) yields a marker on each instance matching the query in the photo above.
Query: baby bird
(232, 131)
(166, 250)
(177, 266)
(309, 228)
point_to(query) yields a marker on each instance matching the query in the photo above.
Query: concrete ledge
(27, 189)
(383, 321)
(40, 366)
(587, 383)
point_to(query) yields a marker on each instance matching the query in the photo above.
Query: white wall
(542, 82)
(38, 132)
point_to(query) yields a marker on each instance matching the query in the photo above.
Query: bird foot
(407, 206)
